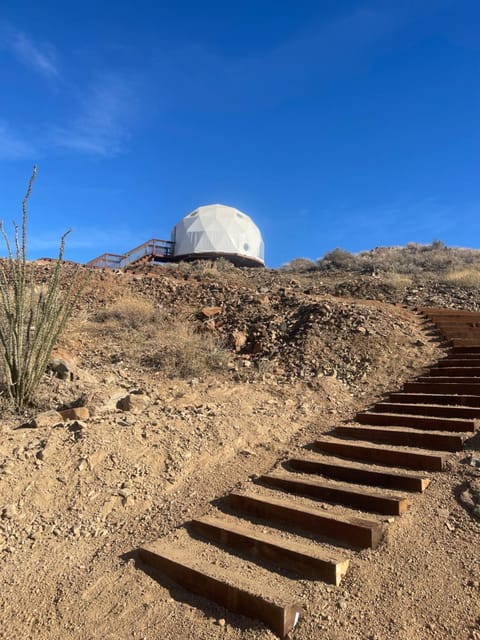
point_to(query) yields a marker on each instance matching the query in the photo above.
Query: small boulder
(77, 413)
(210, 312)
(134, 402)
(62, 364)
(46, 419)
(239, 339)
(9, 511)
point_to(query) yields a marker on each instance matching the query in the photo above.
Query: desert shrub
(338, 259)
(128, 312)
(299, 264)
(185, 353)
(464, 277)
(32, 316)
(419, 260)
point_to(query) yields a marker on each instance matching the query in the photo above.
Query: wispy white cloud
(41, 57)
(12, 146)
(101, 127)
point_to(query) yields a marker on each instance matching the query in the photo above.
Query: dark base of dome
(234, 258)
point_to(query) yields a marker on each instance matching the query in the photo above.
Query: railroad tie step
(442, 312)
(466, 344)
(434, 385)
(436, 440)
(279, 615)
(359, 533)
(462, 380)
(455, 400)
(462, 372)
(462, 357)
(461, 349)
(426, 409)
(389, 456)
(423, 422)
(350, 472)
(459, 333)
(281, 552)
(355, 498)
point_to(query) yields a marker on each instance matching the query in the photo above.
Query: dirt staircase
(303, 518)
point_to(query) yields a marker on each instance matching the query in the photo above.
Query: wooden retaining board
(276, 550)
(427, 410)
(280, 616)
(454, 400)
(421, 460)
(467, 380)
(461, 372)
(422, 422)
(347, 496)
(350, 472)
(432, 385)
(357, 532)
(405, 437)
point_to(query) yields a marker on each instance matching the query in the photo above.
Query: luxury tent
(217, 230)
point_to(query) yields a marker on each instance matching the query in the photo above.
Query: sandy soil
(77, 500)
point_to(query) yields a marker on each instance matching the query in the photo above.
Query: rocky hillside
(178, 383)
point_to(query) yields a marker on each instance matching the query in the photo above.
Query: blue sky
(349, 124)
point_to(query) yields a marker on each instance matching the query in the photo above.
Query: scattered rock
(9, 511)
(45, 419)
(77, 413)
(210, 312)
(136, 403)
(474, 461)
(62, 365)
(239, 339)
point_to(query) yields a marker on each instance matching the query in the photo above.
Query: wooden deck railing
(154, 248)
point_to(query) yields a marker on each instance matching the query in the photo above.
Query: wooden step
(460, 333)
(419, 460)
(280, 616)
(462, 372)
(465, 343)
(350, 472)
(357, 532)
(461, 349)
(461, 357)
(274, 549)
(415, 422)
(450, 380)
(357, 498)
(448, 388)
(428, 410)
(459, 322)
(436, 440)
(455, 400)
(459, 362)
(441, 313)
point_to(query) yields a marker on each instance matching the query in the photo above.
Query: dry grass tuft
(128, 312)
(183, 352)
(464, 278)
(397, 280)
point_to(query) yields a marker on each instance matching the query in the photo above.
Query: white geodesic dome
(218, 230)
